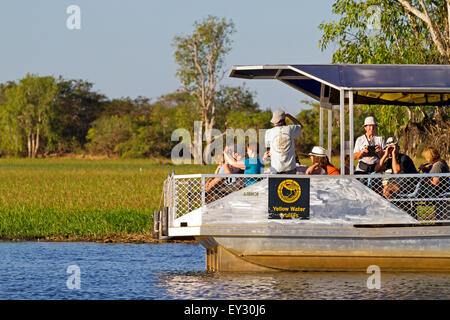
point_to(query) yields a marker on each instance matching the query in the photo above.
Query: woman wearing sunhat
(368, 148)
(321, 163)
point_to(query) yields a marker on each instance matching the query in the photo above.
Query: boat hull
(349, 228)
(395, 250)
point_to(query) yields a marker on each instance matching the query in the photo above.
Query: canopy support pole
(350, 115)
(342, 128)
(321, 125)
(322, 96)
(330, 130)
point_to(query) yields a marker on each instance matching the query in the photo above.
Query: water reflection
(302, 285)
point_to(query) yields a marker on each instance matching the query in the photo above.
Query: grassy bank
(79, 199)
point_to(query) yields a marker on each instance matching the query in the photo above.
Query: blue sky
(124, 47)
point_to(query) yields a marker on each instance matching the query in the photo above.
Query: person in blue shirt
(252, 164)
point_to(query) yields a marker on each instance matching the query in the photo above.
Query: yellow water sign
(288, 198)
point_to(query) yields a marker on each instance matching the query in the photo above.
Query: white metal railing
(412, 193)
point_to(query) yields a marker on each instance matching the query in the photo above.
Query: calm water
(37, 270)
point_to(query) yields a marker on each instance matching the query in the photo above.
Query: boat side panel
(345, 254)
(332, 201)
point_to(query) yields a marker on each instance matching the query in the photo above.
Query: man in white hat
(280, 140)
(368, 148)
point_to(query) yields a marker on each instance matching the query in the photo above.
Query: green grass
(81, 198)
(75, 198)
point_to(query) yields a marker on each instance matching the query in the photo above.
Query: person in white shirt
(280, 140)
(368, 148)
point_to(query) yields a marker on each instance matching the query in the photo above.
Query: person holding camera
(395, 162)
(368, 148)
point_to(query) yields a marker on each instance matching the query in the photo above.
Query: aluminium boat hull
(349, 228)
(391, 249)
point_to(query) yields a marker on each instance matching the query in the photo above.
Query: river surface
(60, 270)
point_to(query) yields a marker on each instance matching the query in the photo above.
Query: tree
(108, 134)
(9, 136)
(382, 31)
(396, 32)
(29, 109)
(78, 106)
(436, 17)
(135, 128)
(127, 106)
(200, 58)
(231, 101)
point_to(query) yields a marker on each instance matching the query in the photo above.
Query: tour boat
(322, 222)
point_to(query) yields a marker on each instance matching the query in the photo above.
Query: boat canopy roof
(377, 84)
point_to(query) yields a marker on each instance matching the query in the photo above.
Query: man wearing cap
(397, 163)
(280, 140)
(393, 160)
(368, 148)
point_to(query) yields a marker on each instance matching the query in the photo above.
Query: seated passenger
(222, 168)
(395, 162)
(218, 187)
(435, 165)
(436, 186)
(321, 163)
(252, 164)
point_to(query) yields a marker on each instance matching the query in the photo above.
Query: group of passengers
(281, 151)
(373, 153)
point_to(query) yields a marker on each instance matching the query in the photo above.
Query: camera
(371, 150)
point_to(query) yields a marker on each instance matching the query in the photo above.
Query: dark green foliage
(387, 32)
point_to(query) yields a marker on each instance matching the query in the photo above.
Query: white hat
(369, 120)
(318, 152)
(277, 116)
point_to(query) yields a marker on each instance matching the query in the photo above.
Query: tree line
(41, 116)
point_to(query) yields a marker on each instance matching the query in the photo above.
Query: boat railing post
(203, 190)
(175, 196)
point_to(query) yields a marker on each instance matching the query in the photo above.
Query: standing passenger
(368, 148)
(280, 140)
